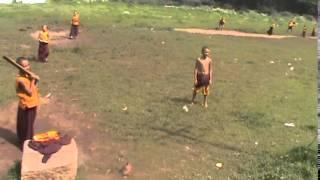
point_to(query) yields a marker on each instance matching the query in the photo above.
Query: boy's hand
(195, 82)
(34, 76)
(210, 82)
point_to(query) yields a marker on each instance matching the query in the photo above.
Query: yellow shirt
(24, 99)
(75, 20)
(44, 36)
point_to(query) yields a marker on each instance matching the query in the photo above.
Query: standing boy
(27, 91)
(43, 51)
(75, 21)
(203, 75)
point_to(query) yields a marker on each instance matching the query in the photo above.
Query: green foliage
(14, 171)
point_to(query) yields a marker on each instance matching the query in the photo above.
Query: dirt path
(98, 154)
(229, 33)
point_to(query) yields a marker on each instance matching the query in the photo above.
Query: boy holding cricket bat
(27, 91)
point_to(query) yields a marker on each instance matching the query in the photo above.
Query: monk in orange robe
(75, 21)
(43, 51)
(27, 91)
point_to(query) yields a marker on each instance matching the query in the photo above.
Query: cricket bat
(9, 60)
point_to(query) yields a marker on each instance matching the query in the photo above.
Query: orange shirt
(44, 36)
(24, 99)
(75, 20)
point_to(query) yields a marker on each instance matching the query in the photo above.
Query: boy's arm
(195, 72)
(210, 72)
(27, 90)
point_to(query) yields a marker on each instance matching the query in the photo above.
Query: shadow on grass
(181, 100)
(9, 136)
(183, 134)
(14, 172)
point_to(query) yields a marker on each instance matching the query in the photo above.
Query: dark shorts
(25, 121)
(74, 30)
(43, 51)
(203, 81)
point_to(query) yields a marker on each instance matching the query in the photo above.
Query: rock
(61, 165)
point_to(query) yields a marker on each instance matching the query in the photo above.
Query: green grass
(14, 171)
(124, 63)
(161, 17)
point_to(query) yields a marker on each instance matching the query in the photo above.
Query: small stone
(219, 165)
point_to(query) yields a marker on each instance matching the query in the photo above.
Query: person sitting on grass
(203, 75)
(75, 21)
(270, 31)
(43, 50)
(221, 23)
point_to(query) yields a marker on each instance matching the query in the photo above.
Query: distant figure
(27, 91)
(203, 75)
(270, 31)
(126, 169)
(291, 24)
(313, 33)
(304, 31)
(221, 23)
(43, 51)
(75, 21)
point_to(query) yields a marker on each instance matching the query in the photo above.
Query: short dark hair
(204, 48)
(20, 59)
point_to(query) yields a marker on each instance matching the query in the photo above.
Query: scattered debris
(219, 165)
(289, 124)
(125, 108)
(125, 12)
(185, 108)
(256, 143)
(162, 42)
(289, 64)
(271, 62)
(48, 95)
(187, 148)
(291, 68)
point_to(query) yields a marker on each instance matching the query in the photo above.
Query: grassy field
(123, 63)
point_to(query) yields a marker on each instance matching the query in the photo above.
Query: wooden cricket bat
(9, 60)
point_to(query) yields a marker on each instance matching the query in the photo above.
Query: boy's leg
(193, 96)
(205, 96)
(205, 101)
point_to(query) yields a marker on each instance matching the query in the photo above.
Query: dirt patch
(229, 33)
(99, 156)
